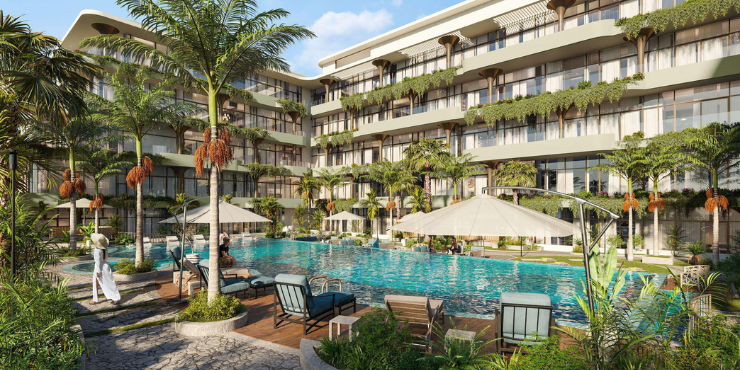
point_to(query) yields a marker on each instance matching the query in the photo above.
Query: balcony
(582, 145)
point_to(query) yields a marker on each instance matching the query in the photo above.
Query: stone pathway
(141, 296)
(159, 347)
(120, 319)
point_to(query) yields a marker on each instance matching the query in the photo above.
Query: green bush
(198, 310)
(578, 249)
(66, 252)
(730, 268)
(705, 261)
(638, 241)
(123, 239)
(358, 242)
(35, 320)
(696, 248)
(380, 344)
(128, 267)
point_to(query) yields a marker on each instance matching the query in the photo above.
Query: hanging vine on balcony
(544, 104)
(418, 85)
(678, 16)
(335, 139)
(342, 205)
(291, 106)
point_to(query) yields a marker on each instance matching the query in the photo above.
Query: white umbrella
(411, 216)
(484, 215)
(227, 213)
(80, 203)
(345, 216)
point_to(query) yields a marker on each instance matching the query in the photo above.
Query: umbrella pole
(182, 256)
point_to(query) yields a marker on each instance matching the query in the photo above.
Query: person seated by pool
(224, 256)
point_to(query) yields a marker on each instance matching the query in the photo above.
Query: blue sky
(337, 23)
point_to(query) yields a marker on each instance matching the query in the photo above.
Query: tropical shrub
(35, 320)
(578, 249)
(66, 252)
(614, 241)
(730, 268)
(124, 239)
(223, 307)
(128, 267)
(638, 241)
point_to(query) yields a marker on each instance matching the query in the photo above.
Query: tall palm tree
(329, 180)
(418, 200)
(137, 108)
(715, 146)
(210, 44)
(664, 154)
(373, 208)
(72, 137)
(394, 177)
(306, 185)
(255, 136)
(268, 207)
(516, 173)
(98, 164)
(457, 169)
(426, 156)
(353, 172)
(627, 162)
(258, 171)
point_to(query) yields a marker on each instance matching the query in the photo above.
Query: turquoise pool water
(469, 286)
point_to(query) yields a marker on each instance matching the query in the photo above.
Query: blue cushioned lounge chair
(259, 282)
(525, 319)
(372, 243)
(298, 305)
(228, 286)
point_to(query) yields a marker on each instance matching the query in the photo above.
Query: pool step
(106, 322)
(140, 296)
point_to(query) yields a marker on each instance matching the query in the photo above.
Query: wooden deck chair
(417, 313)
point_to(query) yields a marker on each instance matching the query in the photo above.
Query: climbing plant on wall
(693, 10)
(419, 85)
(291, 106)
(544, 104)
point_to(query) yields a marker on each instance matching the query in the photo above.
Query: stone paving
(159, 347)
(144, 295)
(119, 319)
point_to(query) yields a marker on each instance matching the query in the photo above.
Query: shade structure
(484, 215)
(411, 216)
(345, 216)
(228, 213)
(80, 203)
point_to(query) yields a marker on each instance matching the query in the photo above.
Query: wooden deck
(261, 326)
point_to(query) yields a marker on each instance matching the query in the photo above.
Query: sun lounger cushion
(261, 280)
(234, 286)
(520, 323)
(176, 251)
(340, 298)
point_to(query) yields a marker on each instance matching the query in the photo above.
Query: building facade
(500, 50)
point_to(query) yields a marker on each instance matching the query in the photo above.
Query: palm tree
(71, 137)
(627, 162)
(255, 136)
(715, 147)
(516, 173)
(457, 169)
(268, 207)
(98, 164)
(393, 177)
(329, 180)
(210, 44)
(663, 154)
(353, 172)
(258, 171)
(418, 200)
(373, 208)
(306, 185)
(426, 156)
(137, 108)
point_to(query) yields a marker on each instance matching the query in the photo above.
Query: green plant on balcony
(417, 85)
(544, 104)
(335, 139)
(291, 106)
(690, 11)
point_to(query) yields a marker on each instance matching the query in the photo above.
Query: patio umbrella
(411, 216)
(82, 203)
(345, 216)
(484, 215)
(227, 213)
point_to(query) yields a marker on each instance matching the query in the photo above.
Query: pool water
(469, 286)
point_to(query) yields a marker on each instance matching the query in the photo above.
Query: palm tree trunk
(390, 218)
(139, 222)
(398, 208)
(97, 220)
(656, 231)
(214, 284)
(630, 252)
(72, 213)
(428, 191)
(516, 197)
(715, 219)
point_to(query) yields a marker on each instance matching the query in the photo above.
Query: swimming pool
(469, 286)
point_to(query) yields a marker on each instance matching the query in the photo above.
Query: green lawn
(732, 305)
(625, 264)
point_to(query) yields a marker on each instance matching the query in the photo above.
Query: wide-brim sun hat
(99, 241)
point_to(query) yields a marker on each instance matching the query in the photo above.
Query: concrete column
(560, 6)
(294, 117)
(381, 64)
(448, 127)
(640, 41)
(381, 138)
(449, 42)
(327, 84)
(180, 179)
(490, 75)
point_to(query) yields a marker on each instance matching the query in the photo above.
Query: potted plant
(199, 319)
(696, 249)
(127, 271)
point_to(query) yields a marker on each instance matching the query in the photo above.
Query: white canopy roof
(227, 213)
(411, 216)
(79, 203)
(484, 215)
(344, 215)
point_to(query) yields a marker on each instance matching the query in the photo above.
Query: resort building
(474, 53)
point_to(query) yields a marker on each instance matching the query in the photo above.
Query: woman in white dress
(103, 274)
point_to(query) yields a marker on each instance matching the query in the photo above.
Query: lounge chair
(294, 297)
(694, 275)
(524, 319)
(193, 271)
(228, 286)
(476, 252)
(372, 243)
(259, 282)
(420, 249)
(417, 312)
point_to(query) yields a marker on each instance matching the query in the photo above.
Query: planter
(213, 328)
(694, 260)
(658, 260)
(309, 359)
(142, 276)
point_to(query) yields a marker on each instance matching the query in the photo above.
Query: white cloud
(336, 31)
(397, 2)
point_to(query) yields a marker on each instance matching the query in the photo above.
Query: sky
(338, 24)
